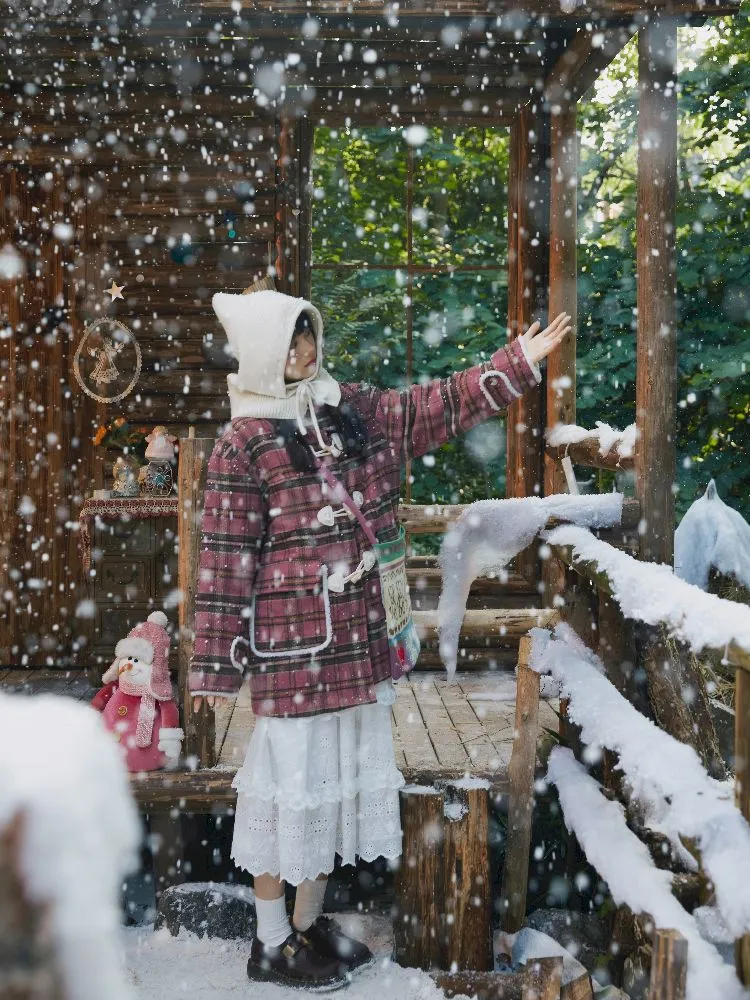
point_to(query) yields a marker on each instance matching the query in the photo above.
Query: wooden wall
(176, 144)
(173, 231)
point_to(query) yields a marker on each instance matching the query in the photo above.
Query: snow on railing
(665, 776)
(62, 774)
(623, 442)
(651, 593)
(624, 863)
(489, 533)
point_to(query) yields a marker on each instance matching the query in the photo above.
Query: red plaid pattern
(265, 556)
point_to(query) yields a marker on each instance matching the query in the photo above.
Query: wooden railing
(736, 656)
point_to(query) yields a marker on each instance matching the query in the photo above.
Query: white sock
(273, 923)
(309, 902)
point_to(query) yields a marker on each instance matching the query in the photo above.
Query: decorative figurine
(125, 477)
(157, 478)
(136, 700)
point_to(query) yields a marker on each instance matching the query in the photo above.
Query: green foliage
(713, 264)
(459, 221)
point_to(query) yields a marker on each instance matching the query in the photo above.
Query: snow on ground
(489, 533)
(63, 772)
(162, 967)
(712, 535)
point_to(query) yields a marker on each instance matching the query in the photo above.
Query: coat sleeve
(231, 535)
(422, 417)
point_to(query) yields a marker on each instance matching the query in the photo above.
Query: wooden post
(742, 792)
(521, 800)
(417, 918)
(293, 204)
(656, 370)
(443, 893)
(543, 979)
(561, 364)
(28, 964)
(528, 263)
(200, 729)
(668, 966)
(467, 939)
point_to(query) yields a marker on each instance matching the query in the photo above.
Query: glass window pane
(359, 196)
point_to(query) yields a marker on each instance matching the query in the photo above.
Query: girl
(289, 596)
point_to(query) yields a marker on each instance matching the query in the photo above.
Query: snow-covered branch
(489, 533)
(624, 862)
(665, 776)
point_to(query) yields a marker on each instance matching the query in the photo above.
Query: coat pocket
(290, 610)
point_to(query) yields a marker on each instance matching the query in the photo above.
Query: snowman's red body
(137, 701)
(120, 713)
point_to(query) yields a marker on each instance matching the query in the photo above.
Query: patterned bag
(402, 633)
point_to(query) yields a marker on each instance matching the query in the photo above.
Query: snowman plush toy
(136, 701)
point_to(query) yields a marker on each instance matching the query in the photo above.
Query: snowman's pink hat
(149, 641)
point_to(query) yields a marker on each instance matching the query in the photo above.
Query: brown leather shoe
(294, 963)
(328, 940)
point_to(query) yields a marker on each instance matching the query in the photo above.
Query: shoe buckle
(290, 949)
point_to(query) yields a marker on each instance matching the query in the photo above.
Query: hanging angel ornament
(106, 370)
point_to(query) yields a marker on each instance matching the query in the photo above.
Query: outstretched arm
(422, 417)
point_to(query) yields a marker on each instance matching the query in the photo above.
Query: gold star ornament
(115, 291)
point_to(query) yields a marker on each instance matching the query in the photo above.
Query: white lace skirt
(317, 786)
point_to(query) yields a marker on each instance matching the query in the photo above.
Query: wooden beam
(338, 16)
(521, 800)
(563, 297)
(587, 453)
(528, 264)
(490, 623)
(191, 478)
(561, 364)
(656, 365)
(584, 59)
(423, 519)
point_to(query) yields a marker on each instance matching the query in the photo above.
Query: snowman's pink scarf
(144, 729)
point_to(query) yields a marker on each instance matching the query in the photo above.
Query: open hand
(540, 344)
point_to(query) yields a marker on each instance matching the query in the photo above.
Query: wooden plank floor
(438, 728)
(465, 726)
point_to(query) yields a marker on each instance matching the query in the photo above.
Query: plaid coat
(266, 556)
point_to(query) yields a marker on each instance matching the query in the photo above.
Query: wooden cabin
(130, 134)
(127, 135)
